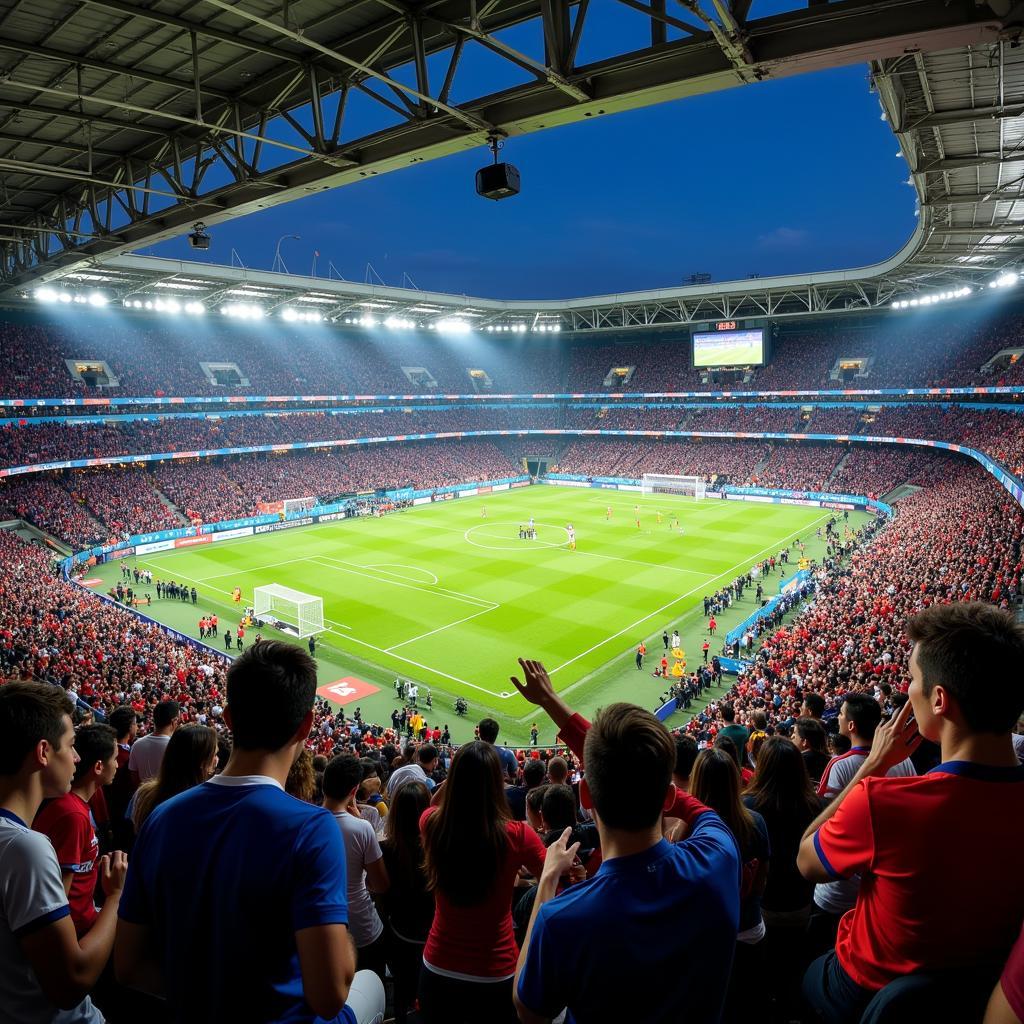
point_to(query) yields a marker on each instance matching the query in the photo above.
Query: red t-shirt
(914, 842)
(1012, 981)
(68, 823)
(478, 941)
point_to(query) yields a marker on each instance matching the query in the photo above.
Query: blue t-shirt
(649, 938)
(224, 875)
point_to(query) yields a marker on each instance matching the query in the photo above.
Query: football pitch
(449, 597)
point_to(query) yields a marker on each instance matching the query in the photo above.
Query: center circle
(508, 539)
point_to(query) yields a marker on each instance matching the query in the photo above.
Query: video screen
(728, 348)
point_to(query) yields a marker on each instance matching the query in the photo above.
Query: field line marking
(217, 590)
(426, 668)
(343, 566)
(422, 636)
(711, 579)
(255, 568)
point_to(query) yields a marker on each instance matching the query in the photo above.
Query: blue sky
(792, 175)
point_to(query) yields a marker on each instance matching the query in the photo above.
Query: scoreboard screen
(728, 348)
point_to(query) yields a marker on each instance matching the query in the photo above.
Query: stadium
(410, 637)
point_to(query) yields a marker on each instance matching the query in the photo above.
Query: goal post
(680, 486)
(303, 611)
(299, 504)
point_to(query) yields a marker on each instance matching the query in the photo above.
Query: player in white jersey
(572, 536)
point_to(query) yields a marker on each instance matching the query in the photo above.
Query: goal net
(303, 611)
(299, 504)
(681, 486)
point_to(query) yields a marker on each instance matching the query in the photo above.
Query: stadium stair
(835, 472)
(175, 511)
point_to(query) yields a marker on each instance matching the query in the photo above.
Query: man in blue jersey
(662, 915)
(235, 905)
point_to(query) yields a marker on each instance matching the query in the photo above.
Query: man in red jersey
(69, 825)
(921, 905)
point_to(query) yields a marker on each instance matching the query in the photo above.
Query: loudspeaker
(497, 181)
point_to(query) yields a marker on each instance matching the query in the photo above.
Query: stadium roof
(122, 125)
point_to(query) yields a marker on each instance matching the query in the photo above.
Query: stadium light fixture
(451, 325)
(1004, 280)
(244, 310)
(932, 300)
(45, 295)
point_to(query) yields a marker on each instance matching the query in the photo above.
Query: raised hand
(894, 741)
(537, 688)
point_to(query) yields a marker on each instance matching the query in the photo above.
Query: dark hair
(535, 797)
(402, 827)
(841, 743)
(728, 713)
(30, 712)
(121, 720)
(813, 732)
(975, 652)
(728, 744)
(426, 753)
(559, 807)
(815, 704)
(189, 750)
(533, 772)
(865, 712)
(165, 713)
(342, 774)
(629, 756)
(560, 766)
(271, 688)
(759, 720)
(716, 782)
(782, 784)
(488, 730)
(465, 839)
(93, 743)
(686, 754)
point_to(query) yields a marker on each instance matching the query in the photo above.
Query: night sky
(794, 175)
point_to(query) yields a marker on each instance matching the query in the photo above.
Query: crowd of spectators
(42, 500)
(802, 466)
(959, 539)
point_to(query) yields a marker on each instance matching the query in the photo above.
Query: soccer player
(236, 595)
(675, 523)
(483, 511)
(658, 515)
(572, 537)
(608, 514)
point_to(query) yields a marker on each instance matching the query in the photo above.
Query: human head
(166, 715)
(302, 781)
(533, 773)
(534, 806)
(965, 668)
(271, 689)
(728, 714)
(629, 756)
(190, 759)
(686, 754)
(342, 776)
(559, 808)
(488, 730)
(716, 782)
(427, 757)
(96, 746)
(813, 706)
(124, 722)
(558, 770)
(781, 780)
(811, 735)
(726, 743)
(859, 717)
(36, 734)
(758, 721)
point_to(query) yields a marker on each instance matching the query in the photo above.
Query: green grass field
(449, 598)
